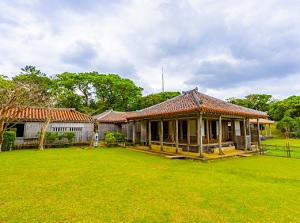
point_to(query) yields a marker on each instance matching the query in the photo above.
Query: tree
(287, 112)
(114, 92)
(259, 102)
(45, 94)
(14, 96)
(152, 99)
(75, 90)
(287, 107)
(287, 124)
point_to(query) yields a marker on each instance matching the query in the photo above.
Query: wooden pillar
(220, 136)
(266, 131)
(176, 134)
(133, 133)
(245, 134)
(161, 135)
(249, 133)
(207, 131)
(149, 133)
(188, 135)
(199, 135)
(270, 130)
(258, 133)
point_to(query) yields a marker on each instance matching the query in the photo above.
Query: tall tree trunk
(43, 130)
(1, 133)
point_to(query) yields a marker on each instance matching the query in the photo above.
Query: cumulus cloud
(222, 47)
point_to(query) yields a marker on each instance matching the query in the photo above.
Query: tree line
(92, 93)
(88, 92)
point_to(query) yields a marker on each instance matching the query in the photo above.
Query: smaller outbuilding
(264, 125)
(30, 120)
(115, 121)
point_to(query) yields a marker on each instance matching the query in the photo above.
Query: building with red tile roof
(27, 123)
(192, 122)
(114, 121)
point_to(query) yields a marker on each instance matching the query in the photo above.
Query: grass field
(118, 185)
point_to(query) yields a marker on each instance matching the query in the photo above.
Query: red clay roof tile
(58, 115)
(111, 116)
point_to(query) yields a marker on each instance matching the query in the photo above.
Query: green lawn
(118, 185)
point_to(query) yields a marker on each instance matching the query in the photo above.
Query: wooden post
(249, 132)
(220, 136)
(270, 130)
(188, 134)
(149, 133)
(176, 134)
(258, 132)
(133, 133)
(199, 135)
(245, 134)
(161, 135)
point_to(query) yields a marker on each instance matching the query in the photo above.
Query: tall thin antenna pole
(162, 78)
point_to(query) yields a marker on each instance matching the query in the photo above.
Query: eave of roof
(261, 121)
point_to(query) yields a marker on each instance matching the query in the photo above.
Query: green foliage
(113, 138)
(114, 92)
(93, 93)
(152, 99)
(287, 107)
(110, 139)
(50, 137)
(34, 79)
(119, 136)
(259, 102)
(70, 136)
(287, 112)
(288, 124)
(9, 139)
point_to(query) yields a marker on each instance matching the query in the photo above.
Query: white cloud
(225, 48)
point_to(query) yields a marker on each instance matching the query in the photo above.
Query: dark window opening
(154, 131)
(214, 129)
(166, 130)
(18, 128)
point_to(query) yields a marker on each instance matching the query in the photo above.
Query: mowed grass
(119, 185)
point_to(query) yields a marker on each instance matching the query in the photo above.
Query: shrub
(70, 136)
(110, 139)
(50, 137)
(9, 139)
(119, 136)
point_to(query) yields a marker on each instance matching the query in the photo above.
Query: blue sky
(226, 48)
